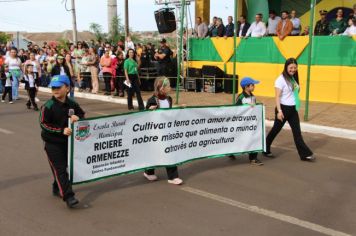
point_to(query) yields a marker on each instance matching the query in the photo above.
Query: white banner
(112, 145)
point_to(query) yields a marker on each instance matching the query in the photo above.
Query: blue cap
(247, 81)
(59, 81)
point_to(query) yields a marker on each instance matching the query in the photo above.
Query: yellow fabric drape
(225, 47)
(291, 46)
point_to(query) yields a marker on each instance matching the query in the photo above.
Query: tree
(98, 31)
(117, 32)
(4, 38)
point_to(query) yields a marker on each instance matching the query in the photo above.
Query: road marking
(265, 212)
(99, 113)
(320, 154)
(5, 131)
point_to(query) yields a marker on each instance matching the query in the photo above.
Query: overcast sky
(50, 15)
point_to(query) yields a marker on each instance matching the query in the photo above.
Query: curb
(306, 127)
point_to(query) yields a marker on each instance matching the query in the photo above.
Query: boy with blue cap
(55, 131)
(247, 97)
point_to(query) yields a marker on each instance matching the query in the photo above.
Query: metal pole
(74, 21)
(18, 40)
(234, 61)
(127, 28)
(180, 50)
(311, 38)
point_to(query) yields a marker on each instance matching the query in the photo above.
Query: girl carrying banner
(161, 99)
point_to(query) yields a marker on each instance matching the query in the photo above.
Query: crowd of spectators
(287, 24)
(86, 63)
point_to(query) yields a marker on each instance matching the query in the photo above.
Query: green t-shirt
(131, 66)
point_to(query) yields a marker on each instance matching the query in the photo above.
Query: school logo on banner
(83, 131)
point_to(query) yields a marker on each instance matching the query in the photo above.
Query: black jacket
(154, 101)
(27, 82)
(244, 30)
(54, 118)
(3, 78)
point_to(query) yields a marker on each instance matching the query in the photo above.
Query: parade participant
(6, 80)
(31, 81)
(132, 80)
(287, 107)
(161, 99)
(15, 65)
(55, 132)
(247, 97)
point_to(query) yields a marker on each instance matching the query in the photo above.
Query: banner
(107, 146)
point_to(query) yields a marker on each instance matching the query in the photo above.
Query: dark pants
(57, 157)
(86, 82)
(107, 79)
(172, 172)
(7, 90)
(252, 156)
(31, 97)
(135, 88)
(119, 84)
(290, 115)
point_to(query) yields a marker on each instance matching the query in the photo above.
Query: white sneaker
(2, 101)
(176, 181)
(11, 102)
(150, 177)
(37, 100)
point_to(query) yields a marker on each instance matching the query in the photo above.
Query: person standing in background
(322, 25)
(257, 28)
(284, 27)
(272, 23)
(201, 29)
(15, 65)
(338, 25)
(242, 26)
(230, 27)
(297, 27)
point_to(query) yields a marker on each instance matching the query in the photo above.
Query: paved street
(220, 196)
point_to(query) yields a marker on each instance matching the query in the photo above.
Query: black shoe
(256, 162)
(231, 157)
(28, 107)
(55, 193)
(71, 202)
(309, 158)
(35, 108)
(107, 93)
(268, 154)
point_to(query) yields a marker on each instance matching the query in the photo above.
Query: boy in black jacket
(55, 131)
(246, 97)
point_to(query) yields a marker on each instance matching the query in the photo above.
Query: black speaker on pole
(166, 20)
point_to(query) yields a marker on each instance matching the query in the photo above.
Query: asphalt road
(220, 196)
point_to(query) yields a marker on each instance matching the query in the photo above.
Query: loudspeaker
(194, 72)
(166, 21)
(228, 84)
(213, 71)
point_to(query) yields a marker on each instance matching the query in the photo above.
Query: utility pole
(127, 28)
(74, 21)
(112, 13)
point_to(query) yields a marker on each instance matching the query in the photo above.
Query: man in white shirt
(351, 31)
(257, 28)
(272, 23)
(201, 29)
(297, 27)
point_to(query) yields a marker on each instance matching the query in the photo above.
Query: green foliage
(117, 31)
(98, 32)
(63, 43)
(4, 38)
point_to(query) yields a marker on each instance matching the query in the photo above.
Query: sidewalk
(324, 114)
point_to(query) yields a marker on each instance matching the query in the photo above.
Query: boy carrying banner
(246, 97)
(55, 131)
